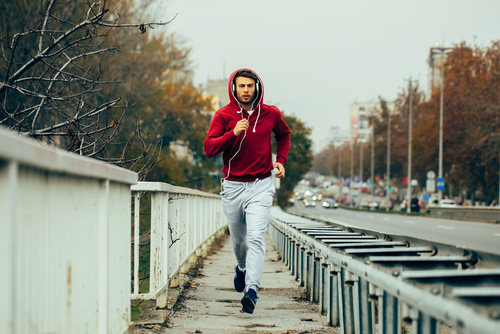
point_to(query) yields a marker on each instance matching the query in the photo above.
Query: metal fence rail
(366, 284)
(183, 223)
(481, 214)
(64, 241)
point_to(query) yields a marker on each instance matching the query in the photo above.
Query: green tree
(299, 158)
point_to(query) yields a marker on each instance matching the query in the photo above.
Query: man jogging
(242, 132)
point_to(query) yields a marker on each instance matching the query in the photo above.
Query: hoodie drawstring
(241, 142)
(253, 185)
(256, 121)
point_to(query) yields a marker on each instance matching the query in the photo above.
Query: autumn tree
(471, 121)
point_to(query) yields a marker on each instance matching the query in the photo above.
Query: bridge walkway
(213, 306)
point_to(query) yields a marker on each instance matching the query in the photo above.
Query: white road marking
(409, 222)
(386, 219)
(445, 227)
(370, 216)
(497, 234)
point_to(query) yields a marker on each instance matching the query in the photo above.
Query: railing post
(324, 288)
(137, 213)
(334, 296)
(103, 256)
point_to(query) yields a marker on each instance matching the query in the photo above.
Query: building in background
(337, 137)
(359, 118)
(219, 88)
(359, 113)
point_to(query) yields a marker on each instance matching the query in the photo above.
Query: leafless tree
(52, 85)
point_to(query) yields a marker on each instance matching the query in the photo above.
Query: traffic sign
(440, 183)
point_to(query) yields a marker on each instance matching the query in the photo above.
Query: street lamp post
(443, 52)
(388, 157)
(352, 171)
(360, 192)
(408, 208)
(373, 161)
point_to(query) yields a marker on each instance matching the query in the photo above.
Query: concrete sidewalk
(213, 306)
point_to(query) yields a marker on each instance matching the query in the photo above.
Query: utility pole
(408, 209)
(388, 157)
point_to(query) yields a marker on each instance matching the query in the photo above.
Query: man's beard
(247, 103)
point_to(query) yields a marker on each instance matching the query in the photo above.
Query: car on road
(309, 203)
(330, 203)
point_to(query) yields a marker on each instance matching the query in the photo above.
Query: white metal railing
(183, 222)
(64, 241)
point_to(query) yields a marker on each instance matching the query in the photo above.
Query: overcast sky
(317, 57)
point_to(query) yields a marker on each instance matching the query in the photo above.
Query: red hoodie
(248, 156)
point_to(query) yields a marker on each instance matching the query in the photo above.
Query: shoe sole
(248, 305)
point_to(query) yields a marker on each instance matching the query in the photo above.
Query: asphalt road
(470, 235)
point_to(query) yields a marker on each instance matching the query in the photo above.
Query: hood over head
(259, 90)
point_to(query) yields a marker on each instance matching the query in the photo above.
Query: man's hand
(281, 170)
(240, 126)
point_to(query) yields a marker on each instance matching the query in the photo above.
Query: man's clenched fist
(240, 126)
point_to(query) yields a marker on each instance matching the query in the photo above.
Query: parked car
(365, 204)
(330, 203)
(384, 204)
(448, 203)
(374, 205)
(414, 206)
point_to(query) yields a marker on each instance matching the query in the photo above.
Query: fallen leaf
(304, 332)
(192, 283)
(273, 325)
(170, 298)
(189, 332)
(306, 319)
(198, 331)
(221, 274)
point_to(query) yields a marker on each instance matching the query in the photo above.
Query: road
(470, 235)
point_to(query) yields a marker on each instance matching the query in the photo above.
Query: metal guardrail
(183, 223)
(368, 283)
(481, 214)
(64, 241)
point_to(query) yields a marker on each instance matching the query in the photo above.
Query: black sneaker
(239, 280)
(249, 301)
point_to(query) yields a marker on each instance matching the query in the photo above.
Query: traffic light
(390, 188)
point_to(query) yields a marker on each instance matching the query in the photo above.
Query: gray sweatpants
(247, 206)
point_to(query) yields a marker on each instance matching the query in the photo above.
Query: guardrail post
(308, 273)
(292, 261)
(365, 307)
(297, 260)
(389, 306)
(316, 278)
(324, 288)
(334, 296)
(346, 309)
(302, 269)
